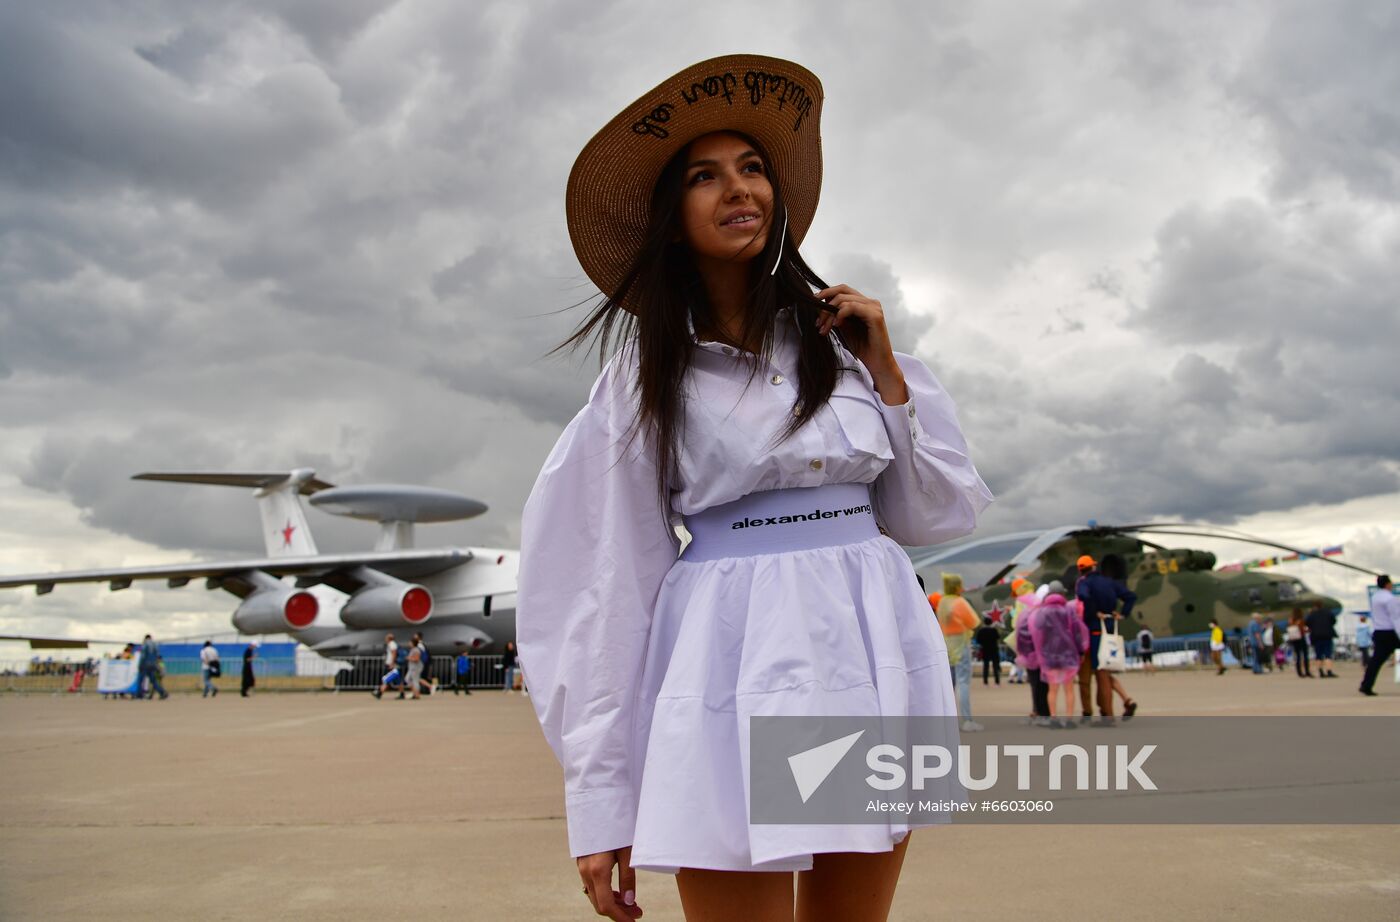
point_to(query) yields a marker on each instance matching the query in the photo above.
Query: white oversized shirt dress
(644, 669)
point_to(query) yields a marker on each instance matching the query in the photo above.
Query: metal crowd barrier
(181, 675)
(357, 673)
(39, 677)
(363, 673)
(1168, 653)
(1182, 652)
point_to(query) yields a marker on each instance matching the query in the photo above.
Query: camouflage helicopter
(1179, 590)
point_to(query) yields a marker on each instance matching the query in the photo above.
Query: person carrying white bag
(1100, 594)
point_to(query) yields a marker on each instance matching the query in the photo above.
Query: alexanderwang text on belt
(778, 521)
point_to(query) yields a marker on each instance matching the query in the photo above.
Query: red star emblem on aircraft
(287, 534)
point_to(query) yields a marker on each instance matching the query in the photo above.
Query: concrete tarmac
(338, 806)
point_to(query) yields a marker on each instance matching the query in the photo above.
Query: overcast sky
(1150, 248)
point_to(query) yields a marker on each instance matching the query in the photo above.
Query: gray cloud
(1149, 249)
(327, 25)
(1326, 88)
(76, 108)
(1202, 382)
(876, 279)
(1376, 549)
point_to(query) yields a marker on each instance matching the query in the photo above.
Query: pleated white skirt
(842, 630)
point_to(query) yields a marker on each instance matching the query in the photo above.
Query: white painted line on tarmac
(299, 721)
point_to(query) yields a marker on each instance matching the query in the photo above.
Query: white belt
(777, 521)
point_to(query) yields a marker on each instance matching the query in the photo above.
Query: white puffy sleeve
(594, 547)
(930, 492)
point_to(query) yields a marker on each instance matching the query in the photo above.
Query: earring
(779, 261)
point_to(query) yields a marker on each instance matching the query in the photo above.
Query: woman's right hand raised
(596, 872)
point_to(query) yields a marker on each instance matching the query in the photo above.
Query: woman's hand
(862, 324)
(596, 872)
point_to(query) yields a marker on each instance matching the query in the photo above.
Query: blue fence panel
(272, 659)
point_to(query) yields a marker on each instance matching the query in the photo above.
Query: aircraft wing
(59, 643)
(319, 568)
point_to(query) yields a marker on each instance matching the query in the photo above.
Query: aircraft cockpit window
(1287, 591)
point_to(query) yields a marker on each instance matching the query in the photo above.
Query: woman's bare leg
(851, 886)
(723, 896)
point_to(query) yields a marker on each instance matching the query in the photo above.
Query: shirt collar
(721, 347)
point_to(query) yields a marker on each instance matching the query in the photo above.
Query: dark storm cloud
(331, 234)
(1325, 83)
(327, 25)
(1305, 301)
(95, 475)
(500, 311)
(185, 53)
(876, 279)
(1288, 320)
(1249, 270)
(1200, 381)
(78, 109)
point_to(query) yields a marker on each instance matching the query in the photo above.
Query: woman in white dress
(798, 449)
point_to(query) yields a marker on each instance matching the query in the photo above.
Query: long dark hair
(664, 286)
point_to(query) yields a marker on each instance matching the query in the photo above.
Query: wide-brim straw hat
(775, 102)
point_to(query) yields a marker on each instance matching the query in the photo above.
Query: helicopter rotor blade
(1193, 530)
(1037, 542)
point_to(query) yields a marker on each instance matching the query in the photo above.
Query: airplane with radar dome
(459, 598)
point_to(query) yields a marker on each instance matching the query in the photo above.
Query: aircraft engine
(1200, 560)
(386, 602)
(275, 610)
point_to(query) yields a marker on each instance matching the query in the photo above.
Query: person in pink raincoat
(1060, 639)
(1026, 655)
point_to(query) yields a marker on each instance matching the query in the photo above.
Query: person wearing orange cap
(1099, 590)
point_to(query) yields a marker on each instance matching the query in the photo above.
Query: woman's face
(727, 200)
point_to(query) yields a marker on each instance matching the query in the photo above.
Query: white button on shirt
(597, 546)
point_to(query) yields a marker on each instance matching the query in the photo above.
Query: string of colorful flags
(1265, 562)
